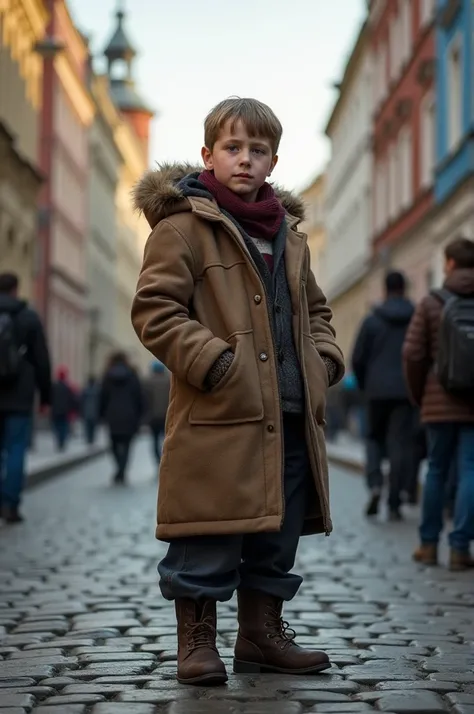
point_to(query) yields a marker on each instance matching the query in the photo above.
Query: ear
(272, 165)
(206, 156)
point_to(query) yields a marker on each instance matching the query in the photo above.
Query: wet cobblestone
(83, 629)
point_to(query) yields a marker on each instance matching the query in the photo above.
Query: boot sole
(212, 679)
(254, 668)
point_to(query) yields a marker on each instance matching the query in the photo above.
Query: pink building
(61, 265)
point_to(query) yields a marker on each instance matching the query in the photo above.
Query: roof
(119, 46)
(126, 96)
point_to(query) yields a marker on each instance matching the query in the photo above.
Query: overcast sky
(193, 53)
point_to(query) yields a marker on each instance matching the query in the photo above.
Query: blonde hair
(258, 119)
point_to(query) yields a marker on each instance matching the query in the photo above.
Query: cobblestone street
(85, 631)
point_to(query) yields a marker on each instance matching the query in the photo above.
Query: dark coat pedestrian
(35, 368)
(378, 367)
(25, 369)
(121, 409)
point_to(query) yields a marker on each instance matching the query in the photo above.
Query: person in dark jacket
(90, 409)
(377, 365)
(17, 391)
(63, 407)
(121, 408)
(448, 417)
(157, 392)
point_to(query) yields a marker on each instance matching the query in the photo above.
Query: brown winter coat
(198, 295)
(419, 354)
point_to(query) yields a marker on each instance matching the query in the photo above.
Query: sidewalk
(44, 461)
(347, 452)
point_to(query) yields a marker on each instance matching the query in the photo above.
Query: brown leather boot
(460, 560)
(427, 554)
(265, 642)
(198, 658)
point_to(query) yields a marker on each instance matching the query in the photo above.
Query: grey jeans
(213, 567)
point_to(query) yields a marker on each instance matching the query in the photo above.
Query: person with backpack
(439, 365)
(24, 369)
(377, 366)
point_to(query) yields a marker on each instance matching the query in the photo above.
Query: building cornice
(75, 89)
(37, 14)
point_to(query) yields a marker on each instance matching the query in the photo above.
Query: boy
(227, 301)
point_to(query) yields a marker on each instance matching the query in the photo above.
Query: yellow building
(22, 26)
(314, 225)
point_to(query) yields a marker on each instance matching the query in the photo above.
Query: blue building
(455, 103)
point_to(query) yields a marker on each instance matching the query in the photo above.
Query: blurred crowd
(410, 396)
(118, 401)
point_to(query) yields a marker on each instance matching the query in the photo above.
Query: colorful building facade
(349, 194)
(22, 26)
(67, 114)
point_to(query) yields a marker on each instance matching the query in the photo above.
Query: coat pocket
(318, 380)
(238, 396)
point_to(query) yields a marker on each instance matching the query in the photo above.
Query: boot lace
(201, 634)
(282, 633)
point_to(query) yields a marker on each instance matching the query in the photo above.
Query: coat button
(257, 299)
(270, 428)
(263, 356)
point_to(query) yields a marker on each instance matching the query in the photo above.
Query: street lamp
(49, 47)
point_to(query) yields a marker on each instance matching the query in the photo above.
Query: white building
(105, 163)
(348, 195)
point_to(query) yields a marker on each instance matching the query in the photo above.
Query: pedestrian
(121, 408)
(63, 408)
(226, 299)
(157, 390)
(90, 409)
(24, 369)
(439, 364)
(377, 365)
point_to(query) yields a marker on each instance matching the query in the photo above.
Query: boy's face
(240, 162)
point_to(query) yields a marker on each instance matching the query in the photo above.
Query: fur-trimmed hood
(159, 193)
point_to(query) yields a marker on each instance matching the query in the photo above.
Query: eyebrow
(254, 142)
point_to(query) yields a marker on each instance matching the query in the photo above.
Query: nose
(245, 157)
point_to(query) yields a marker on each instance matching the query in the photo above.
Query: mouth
(244, 176)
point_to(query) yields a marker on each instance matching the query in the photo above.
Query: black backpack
(454, 364)
(11, 352)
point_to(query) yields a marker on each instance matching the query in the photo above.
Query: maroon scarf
(261, 219)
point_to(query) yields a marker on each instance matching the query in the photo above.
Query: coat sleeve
(322, 331)
(160, 311)
(416, 353)
(361, 353)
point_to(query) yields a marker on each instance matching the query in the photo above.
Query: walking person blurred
(24, 369)
(377, 365)
(157, 390)
(439, 364)
(121, 408)
(63, 407)
(90, 409)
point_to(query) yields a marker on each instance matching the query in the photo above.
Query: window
(394, 48)
(392, 182)
(454, 93)
(427, 141)
(427, 10)
(381, 195)
(406, 172)
(406, 29)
